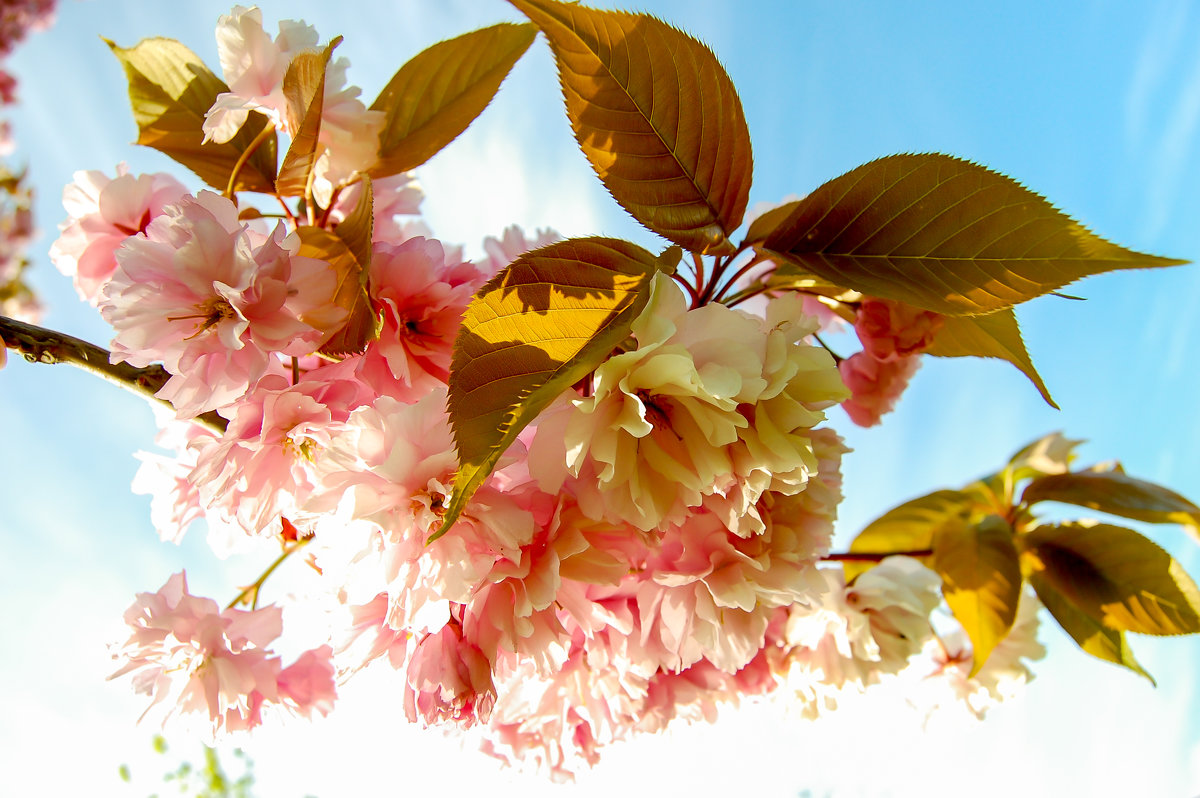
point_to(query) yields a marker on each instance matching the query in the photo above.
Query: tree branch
(40, 345)
(870, 556)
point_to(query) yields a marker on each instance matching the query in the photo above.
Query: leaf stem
(244, 596)
(257, 142)
(739, 274)
(40, 345)
(290, 216)
(836, 357)
(677, 277)
(870, 556)
(698, 263)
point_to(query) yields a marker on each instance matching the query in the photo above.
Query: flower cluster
(17, 299)
(893, 335)
(185, 653)
(17, 19)
(650, 547)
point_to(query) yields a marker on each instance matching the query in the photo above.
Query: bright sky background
(1094, 104)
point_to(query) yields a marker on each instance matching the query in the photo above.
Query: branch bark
(40, 345)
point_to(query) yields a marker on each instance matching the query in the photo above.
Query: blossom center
(211, 312)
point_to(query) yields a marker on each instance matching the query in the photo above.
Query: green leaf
(1092, 636)
(347, 248)
(981, 580)
(535, 329)
(764, 225)
(657, 117)
(993, 335)
(943, 234)
(171, 90)
(909, 527)
(439, 92)
(1115, 493)
(304, 90)
(1051, 454)
(357, 229)
(1116, 577)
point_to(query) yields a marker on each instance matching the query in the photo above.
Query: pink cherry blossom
(512, 244)
(102, 213)
(422, 297)
(875, 385)
(267, 462)
(449, 680)
(184, 651)
(307, 685)
(174, 497)
(255, 65)
(394, 197)
(892, 330)
(212, 300)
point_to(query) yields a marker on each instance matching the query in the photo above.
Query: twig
(40, 345)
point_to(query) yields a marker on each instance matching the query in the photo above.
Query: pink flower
(102, 213)
(174, 496)
(185, 651)
(267, 462)
(449, 680)
(422, 297)
(255, 65)
(307, 684)
(8, 88)
(875, 385)
(893, 330)
(512, 244)
(213, 301)
(397, 195)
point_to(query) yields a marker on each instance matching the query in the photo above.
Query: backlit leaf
(943, 234)
(1092, 636)
(994, 335)
(981, 580)
(348, 249)
(657, 117)
(170, 90)
(909, 527)
(1115, 493)
(1116, 577)
(1051, 454)
(535, 329)
(439, 92)
(304, 89)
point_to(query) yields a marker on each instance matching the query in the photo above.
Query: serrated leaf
(657, 117)
(1116, 493)
(909, 527)
(304, 90)
(981, 580)
(535, 329)
(995, 335)
(768, 221)
(1116, 577)
(357, 230)
(440, 91)
(347, 248)
(170, 90)
(1092, 636)
(944, 234)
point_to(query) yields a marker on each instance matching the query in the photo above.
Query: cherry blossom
(102, 213)
(213, 300)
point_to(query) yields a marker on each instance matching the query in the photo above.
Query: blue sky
(1096, 105)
